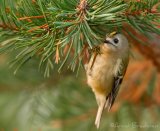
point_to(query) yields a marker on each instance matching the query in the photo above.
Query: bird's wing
(120, 70)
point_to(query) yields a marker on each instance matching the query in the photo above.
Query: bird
(106, 69)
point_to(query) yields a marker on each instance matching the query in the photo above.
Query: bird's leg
(95, 51)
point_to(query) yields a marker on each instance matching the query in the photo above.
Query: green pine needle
(33, 28)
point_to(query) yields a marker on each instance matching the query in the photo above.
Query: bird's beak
(107, 42)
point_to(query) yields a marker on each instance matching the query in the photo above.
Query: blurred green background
(64, 102)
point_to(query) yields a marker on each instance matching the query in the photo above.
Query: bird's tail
(99, 113)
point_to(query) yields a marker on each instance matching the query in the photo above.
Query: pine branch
(60, 31)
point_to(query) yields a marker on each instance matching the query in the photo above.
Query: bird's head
(116, 43)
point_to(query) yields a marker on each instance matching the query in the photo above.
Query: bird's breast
(100, 76)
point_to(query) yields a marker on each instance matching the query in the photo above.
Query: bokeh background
(64, 102)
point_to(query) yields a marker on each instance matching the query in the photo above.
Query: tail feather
(99, 114)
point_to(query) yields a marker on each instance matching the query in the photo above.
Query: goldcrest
(106, 69)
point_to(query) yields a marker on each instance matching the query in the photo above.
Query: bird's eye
(115, 40)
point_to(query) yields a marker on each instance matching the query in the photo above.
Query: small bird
(106, 69)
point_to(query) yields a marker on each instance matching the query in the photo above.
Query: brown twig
(82, 6)
(45, 26)
(57, 55)
(85, 54)
(31, 17)
(4, 26)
